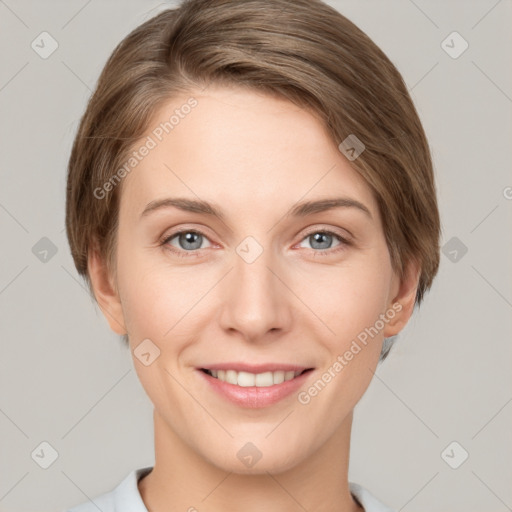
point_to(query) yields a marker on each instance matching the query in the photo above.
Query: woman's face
(269, 284)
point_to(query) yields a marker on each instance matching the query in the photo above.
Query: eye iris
(320, 238)
(190, 238)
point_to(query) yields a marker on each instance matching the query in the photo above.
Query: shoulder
(125, 496)
(367, 500)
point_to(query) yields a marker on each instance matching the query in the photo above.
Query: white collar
(126, 495)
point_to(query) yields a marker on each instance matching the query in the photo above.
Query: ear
(404, 296)
(104, 291)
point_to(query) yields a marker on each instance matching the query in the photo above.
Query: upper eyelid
(332, 231)
(166, 238)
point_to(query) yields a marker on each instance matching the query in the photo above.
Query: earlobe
(106, 295)
(404, 300)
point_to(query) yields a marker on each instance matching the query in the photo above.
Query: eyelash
(187, 254)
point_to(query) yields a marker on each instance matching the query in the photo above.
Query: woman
(251, 200)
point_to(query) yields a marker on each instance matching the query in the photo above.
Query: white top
(126, 497)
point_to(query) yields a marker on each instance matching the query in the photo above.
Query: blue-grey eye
(187, 240)
(322, 239)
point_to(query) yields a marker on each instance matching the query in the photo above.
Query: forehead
(239, 147)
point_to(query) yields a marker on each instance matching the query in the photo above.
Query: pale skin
(254, 157)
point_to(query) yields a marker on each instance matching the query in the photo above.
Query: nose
(256, 302)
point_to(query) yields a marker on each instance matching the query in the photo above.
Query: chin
(252, 458)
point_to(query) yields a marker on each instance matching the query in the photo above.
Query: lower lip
(254, 397)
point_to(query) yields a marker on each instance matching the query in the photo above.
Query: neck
(183, 480)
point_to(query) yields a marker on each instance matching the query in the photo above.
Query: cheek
(150, 296)
(347, 300)
(167, 304)
(352, 311)
(153, 304)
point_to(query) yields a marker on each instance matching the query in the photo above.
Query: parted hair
(301, 50)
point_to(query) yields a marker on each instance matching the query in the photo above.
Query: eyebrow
(299, 210)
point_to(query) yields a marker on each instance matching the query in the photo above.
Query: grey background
(66, 379)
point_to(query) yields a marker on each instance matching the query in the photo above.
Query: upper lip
(256, 368)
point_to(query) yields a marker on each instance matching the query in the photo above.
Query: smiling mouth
(247, 379)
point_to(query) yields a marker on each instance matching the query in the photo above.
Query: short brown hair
(301, 50)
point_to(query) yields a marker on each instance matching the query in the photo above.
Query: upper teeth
(246, 379)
